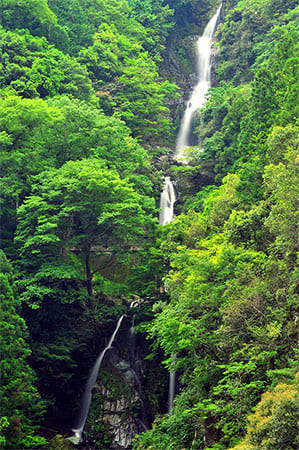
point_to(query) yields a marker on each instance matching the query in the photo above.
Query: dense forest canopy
(91, 97)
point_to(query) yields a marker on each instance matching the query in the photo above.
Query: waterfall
(195, 102)
(167, 201)
(87, 394)
(197, 98)
(171, 389)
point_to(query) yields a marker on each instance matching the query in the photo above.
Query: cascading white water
(195, 102)
(197, 98)
(87, 394)
(167, 201)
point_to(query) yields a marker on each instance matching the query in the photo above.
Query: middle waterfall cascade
(87, 394)
(167, 201)
(195, 102)
(198, 95)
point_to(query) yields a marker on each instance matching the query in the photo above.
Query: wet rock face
(118, 419)
(116, 411)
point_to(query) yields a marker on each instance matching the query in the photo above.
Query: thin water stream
(87, 394)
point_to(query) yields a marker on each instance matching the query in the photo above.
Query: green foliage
(22, 155)
(141, 101)
(26, 14)
(37, 135)
(282, 186)
(134, 92)
(85, 131)
(58, 443)
(246, 30)
(238, 120)
(157, 18)
(149, 22)
(222, 116)
(81, 207)
(78, 215)
(30, 67)
(274, 423)
(232, 283)
(21, 405)
(181, 428)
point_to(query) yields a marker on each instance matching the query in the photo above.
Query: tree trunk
(88, 273)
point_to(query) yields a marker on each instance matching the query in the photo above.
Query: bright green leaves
(246, 30)
(36, 135)
(141, 101)
(134, 91)
(110, 50)
(20, 116)
(82, 207)
(21, 405)
(86, 131)
(230, 317)
(248, 228)
(225, 317)
(282, 183)
(22, 155)
(26, 13)
(33, 68)
(157, 18)
(258, 50)
(273, 426)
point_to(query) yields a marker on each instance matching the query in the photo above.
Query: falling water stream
(171, 389)
(167, 201)
(198, 95)
(195, 102)
(87, 394)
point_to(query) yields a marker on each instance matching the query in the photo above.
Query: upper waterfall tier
(197, 98)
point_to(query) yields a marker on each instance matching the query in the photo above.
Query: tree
(26, 14)
(273, 425)
(282, 187)
(22, 155)
(21, 405)
(86, 131)
(156, 17)
(33, 68)
(141, 100)
(81, 208)
(82, 19)
(134, 93)
(108, 54)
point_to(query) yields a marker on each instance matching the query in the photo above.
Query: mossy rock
(59, 443)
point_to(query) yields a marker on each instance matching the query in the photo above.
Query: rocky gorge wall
(130, 390)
